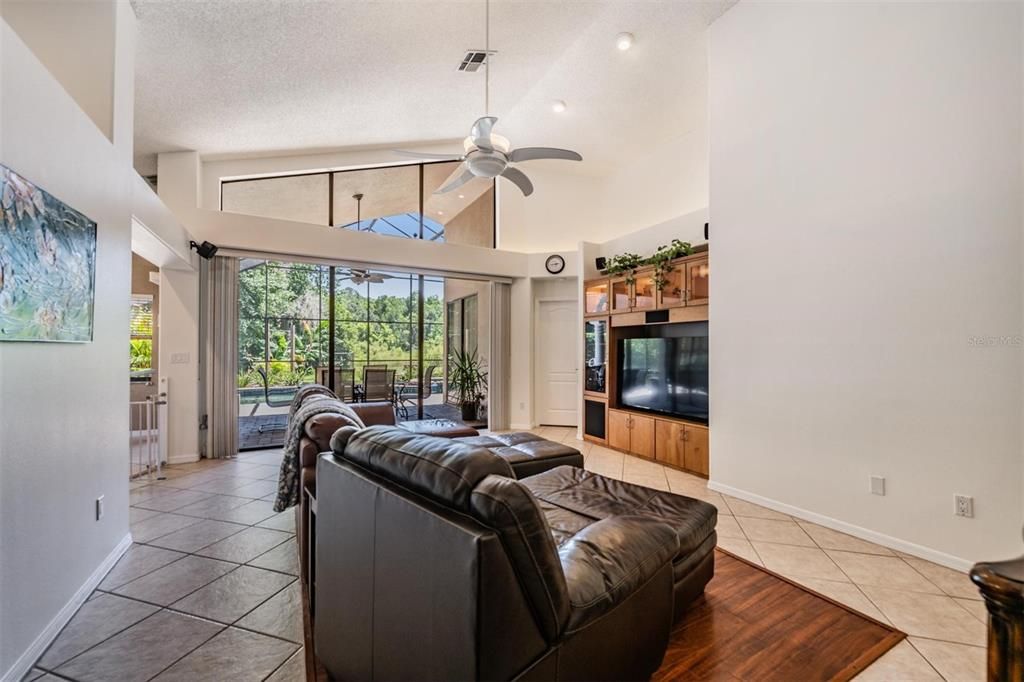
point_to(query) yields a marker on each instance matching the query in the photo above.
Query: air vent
(474, 60)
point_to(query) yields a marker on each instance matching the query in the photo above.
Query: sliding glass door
(304, 323)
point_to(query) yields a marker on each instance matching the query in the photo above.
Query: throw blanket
(288, 480)
(305, 391)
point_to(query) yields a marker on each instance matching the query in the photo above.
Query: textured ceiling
(230, 77)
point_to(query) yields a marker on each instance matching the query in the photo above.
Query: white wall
(865, 204)
(64, 407)
(75, 41)
(659, 187)
(687, 227)
(563, 209)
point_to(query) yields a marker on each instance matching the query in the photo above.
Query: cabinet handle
(686, 435)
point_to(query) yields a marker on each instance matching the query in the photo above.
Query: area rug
(752, 624)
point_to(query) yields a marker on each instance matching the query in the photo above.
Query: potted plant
(662, 260)
(467, 378)
(625, 262)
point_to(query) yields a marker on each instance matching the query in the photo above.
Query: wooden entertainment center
(617, 308)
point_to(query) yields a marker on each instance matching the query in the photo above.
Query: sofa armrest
(373, 414)
(611, 559)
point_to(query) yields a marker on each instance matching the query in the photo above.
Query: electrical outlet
(99, 507)
(877, 485)
(964, 506)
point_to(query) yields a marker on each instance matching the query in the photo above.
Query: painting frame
(47, 266)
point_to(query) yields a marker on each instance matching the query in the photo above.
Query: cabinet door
(618, 430)
(595, 355)
(697, 274)
(622, 295)
(641, 436)
(672, 293)
(596, 296)
(695, 455)
(669, 444)
(645, 294)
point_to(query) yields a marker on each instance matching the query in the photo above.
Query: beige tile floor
(208, 589)
(940, 609)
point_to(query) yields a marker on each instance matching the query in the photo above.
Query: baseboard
(520, 427)
(183, 459)
(50, 632)
(933, 555)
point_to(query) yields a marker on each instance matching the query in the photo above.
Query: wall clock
(554, 264)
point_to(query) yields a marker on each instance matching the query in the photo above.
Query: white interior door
(556, 351)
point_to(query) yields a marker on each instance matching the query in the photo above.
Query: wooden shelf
(671, 441)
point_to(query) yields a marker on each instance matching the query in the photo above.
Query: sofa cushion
(527, 452)
(320, 427)
(438, 468)
(573, 498)
(611, 559)
(506, 505)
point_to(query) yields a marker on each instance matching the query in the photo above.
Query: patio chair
(273, 402)
(344, 382)
(413, 391)
(378, 385)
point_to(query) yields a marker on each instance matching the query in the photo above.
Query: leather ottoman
(528, 453)
(442, 428)
(573, 499)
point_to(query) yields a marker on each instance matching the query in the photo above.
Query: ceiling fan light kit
(487, 154)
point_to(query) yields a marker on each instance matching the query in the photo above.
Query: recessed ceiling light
(558, 106)
(462, 196)
(440, 213)
(624, 41)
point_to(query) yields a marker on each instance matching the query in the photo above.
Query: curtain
(500, 360)
(220, 346)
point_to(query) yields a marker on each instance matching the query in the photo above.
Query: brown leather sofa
(316, 439)
(573, 499)
(434, 563)
(527, 453)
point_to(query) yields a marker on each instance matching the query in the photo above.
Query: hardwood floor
(753, 625)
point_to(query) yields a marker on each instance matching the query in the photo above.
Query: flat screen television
(665, 375)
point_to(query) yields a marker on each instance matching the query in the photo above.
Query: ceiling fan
(360, 277)
(487, 154)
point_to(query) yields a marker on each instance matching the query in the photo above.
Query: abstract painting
(47, 265)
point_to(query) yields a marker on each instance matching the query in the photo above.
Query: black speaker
(206, 249)
(601, 262)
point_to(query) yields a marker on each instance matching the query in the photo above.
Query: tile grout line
(926, 659)
(273, 672)
(236, 566)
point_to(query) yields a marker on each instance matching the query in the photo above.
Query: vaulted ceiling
(248, 77)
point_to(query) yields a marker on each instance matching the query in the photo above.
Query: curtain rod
(297, 258)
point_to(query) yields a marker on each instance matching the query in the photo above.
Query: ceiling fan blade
(425, 155)
(480, 133)
(519, 178)
(532, 153)
(466, 176)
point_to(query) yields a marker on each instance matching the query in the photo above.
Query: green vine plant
(661, 260)
(626, 262)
